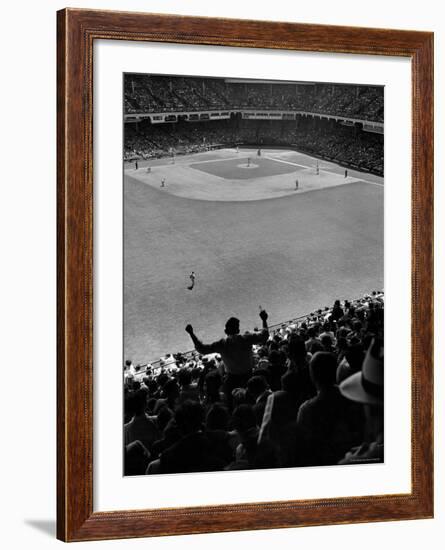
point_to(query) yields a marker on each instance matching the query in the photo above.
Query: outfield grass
(290, 253)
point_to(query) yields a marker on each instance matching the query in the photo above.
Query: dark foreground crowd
(309, 393)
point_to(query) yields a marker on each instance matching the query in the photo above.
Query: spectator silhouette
(140, 427)
(194, 451)
(236, 352)
(366, 387)
(325, 422)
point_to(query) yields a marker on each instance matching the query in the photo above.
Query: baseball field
(273, 230)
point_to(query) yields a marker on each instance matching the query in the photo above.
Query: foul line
(323, 170)
(371, 182)
(213, 160)
(287, 162)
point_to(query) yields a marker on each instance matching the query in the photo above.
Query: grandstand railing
(194, 353)
(161, 363)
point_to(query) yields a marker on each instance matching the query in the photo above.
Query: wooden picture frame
(77, 31)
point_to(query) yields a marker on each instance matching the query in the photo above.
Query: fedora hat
(366, 386)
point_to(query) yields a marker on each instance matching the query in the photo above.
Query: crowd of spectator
(150, 94)
(345, 145)
(158, 140)
(308, 393)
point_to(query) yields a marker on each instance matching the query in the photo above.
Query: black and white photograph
(253, 269)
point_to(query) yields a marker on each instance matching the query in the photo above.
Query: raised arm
(264, 316)
(199, 346)
(261, 337)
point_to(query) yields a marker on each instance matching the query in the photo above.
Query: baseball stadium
(248, 233)
(243, 197)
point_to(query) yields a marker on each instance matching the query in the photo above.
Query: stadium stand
(340, 123)
(153, 94)
(313, 395)
(330, 140)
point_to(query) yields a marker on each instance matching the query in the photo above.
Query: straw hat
(366, 386)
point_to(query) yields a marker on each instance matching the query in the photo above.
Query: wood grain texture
(77, 30)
